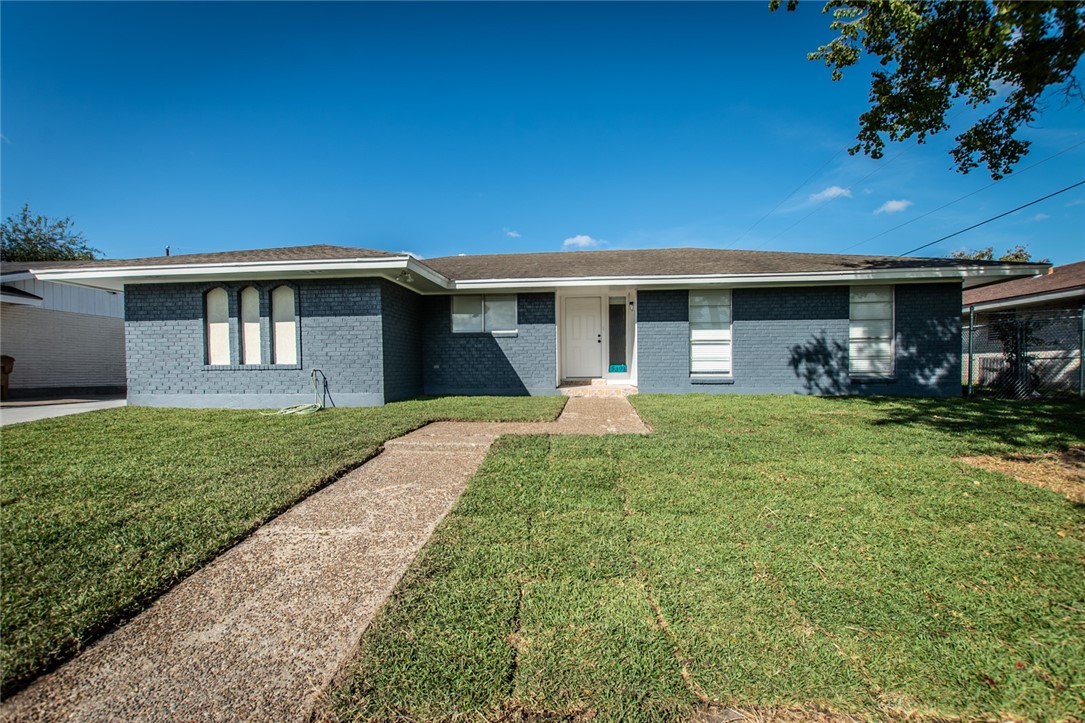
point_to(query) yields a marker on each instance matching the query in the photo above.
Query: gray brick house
(244, 329)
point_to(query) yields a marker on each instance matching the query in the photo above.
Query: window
(616, 331)
(483, 314)
(250, 326)
(870, 336)
(710, 333)
(217, 316)
(284, 342)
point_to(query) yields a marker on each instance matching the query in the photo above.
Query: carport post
(971, 326)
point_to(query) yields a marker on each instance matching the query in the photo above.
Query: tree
(1017, 253)
(934, 53)
(37, 238)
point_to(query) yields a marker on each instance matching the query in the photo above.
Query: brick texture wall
(484, 364)
(339, 330)
(795, 340)
(402, 342)
(60, 352)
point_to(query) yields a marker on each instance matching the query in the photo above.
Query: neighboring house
(1044, 313)
(244, 329)
(64, 339)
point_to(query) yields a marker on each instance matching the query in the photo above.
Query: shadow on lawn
(990, 426)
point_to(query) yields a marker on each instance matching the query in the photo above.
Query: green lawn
(753, 552)
(100, 513)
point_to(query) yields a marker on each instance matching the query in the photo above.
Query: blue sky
(484, 128)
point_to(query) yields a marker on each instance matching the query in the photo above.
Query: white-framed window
(870, 331)
(477, 314)
(251, 349)
(284, 326)
(216, 308)
(710, 333)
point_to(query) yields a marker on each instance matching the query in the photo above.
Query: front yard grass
(101, 512)
(754, 552)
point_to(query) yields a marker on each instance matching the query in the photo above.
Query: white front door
(582, 340)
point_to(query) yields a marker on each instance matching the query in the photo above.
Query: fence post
(971, 331)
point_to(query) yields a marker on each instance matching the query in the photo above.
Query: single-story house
(244, 328)
(64, 339)
(1045, 313)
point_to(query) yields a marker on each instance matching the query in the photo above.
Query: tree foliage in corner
(1017, 253)
(935, 53)
(27, 237)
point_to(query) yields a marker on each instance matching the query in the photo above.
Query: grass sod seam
(856, 509)
(104, 512)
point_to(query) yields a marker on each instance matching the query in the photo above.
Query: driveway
(29, 410)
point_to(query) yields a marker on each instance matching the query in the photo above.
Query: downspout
(1081, 357)
(971, 331)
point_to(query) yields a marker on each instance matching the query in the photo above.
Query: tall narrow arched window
(217, 316)
(283, 326)
(250, 326)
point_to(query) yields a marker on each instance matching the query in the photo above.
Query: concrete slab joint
(260, 632)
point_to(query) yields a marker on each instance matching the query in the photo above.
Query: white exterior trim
(1025, 300)
(780, 279)
(114, 278)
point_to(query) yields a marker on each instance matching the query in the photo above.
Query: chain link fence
(1012, 355)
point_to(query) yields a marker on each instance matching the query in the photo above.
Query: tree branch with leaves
(28, 237)
(935, 54)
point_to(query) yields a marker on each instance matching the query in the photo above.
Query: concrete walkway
(19, 411)
(260, 632)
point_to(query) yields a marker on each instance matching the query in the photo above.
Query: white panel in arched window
(250, 326)
(284, 326)
(217, 314)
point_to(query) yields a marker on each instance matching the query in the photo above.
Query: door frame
(603, 293)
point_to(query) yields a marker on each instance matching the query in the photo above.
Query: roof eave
(115, 278)
(967, 274)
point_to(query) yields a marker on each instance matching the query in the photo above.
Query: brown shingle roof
(288, 253)
(1060, 278)
(667, 262)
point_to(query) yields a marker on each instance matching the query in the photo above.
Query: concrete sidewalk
(260, 632)
(30, 410)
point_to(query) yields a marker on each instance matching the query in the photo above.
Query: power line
(967, 195)
(994, 218)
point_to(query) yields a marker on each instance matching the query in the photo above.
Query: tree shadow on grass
(989, 426)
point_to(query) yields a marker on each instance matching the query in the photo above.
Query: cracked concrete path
(261, 631)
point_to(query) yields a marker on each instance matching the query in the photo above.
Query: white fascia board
(823, 277)
(997, 304)
(117, 276)
(418, 267)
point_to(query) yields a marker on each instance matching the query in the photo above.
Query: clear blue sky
(482, 128)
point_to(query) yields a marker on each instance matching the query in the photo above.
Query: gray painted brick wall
(339, 332)
(485, 364)
(795, 340)
(402, 332)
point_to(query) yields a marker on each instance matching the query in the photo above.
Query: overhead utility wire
(820, 206)
(994, 218)
(775, 208)
(967, 195)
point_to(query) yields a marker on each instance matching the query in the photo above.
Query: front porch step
(595, 388)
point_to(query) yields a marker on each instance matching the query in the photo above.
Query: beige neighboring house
(1055, 304)
(65, 339)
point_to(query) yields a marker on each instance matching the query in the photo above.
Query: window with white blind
(475, 314)
(284, 325)
(217, 327)
(870, 333)
(250, 326)
(710, 333)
